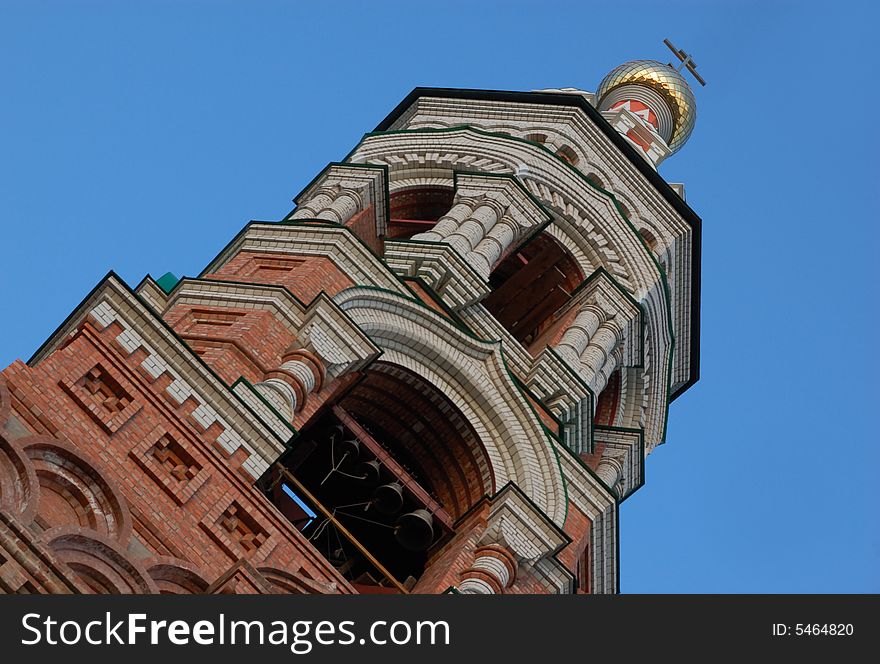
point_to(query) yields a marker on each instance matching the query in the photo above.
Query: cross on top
(686, 61)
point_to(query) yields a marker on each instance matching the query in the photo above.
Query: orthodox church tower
(441, 372)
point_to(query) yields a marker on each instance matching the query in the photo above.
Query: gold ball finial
(665, 81)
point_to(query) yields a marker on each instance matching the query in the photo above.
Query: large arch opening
(530, 285)
(378, 478)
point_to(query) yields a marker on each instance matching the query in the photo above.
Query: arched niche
(175, 577)
(73, 491)
(473, 374)
(99, 562)
(19, 487)
(420, 424)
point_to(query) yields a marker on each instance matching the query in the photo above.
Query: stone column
(615, 359)
(592, 344)
(489, 214)
(288, 386)
(473, 229)
(493, 570)
(577, 336)
(448, 223)
(598, 352)
(333, 203)
(489, 250)
(341, 191)
(610, 468)
(519, 539)
(468, 228)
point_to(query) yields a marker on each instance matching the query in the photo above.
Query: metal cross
(686, 61)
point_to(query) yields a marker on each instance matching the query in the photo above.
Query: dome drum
(654, 78)
(653, 100)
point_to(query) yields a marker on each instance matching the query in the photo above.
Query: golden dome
(670, 84)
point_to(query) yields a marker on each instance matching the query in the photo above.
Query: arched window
(596, 180)
(536, 138)
(568, 154)
(649, 238)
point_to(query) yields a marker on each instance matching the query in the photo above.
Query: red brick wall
(207, 523)
(304, 276)
(578, 527)
(553, 334)
(364, 226)
(234, 342)
(446, 565)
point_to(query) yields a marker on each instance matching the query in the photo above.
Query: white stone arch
(586, 222)
(472, 373)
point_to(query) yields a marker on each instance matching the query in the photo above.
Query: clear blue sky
(142, 137)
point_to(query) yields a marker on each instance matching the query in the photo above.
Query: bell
(347, 451)
(388, 498)
(332, 432)
(415, 530)
(369, 471)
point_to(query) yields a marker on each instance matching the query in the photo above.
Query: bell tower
(442, 371)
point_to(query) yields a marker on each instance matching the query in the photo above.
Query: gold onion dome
(664, 80)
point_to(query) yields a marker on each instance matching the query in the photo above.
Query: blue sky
(142, 137)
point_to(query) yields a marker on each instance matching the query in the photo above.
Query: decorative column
(591, 342)
(489, 250)
(577, 336)
(288, 386)
(493, 570)
(611, 467)
(518, 536)
(450, 221)
(605, 334)
(465, 235)
(599, 352)
(341, 192)
(489, 215)
(333, 202)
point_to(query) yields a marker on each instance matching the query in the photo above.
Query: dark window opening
(377, 480)
(649, 238)
(365, 511)
(417, 210)
(537, 138)
(568, 154)
(596, 180)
